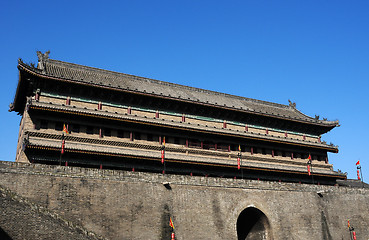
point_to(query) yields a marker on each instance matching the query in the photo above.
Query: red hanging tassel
(162, 151)
(238, 163)
(162, 156)
(308, 166)
(358, 174)
(62, 150)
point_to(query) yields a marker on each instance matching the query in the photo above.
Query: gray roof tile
(95, 76)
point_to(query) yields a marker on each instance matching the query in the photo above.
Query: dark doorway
(252, 224)
(4, 235)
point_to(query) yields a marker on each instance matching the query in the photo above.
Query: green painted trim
(177, 114)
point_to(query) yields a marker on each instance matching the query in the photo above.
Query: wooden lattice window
(107, 132)
(58, 126)
(137, 135)
(120, 134)
(89, 130)
(44, 124)
(75, 128)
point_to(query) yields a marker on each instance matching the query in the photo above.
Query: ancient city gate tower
(79, 116)
(120, 121)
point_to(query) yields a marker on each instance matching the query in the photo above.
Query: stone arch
(253, 224)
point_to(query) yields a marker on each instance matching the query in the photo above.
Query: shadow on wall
(252, 224)
(166, 230)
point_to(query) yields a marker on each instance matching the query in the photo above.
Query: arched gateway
(252, 224)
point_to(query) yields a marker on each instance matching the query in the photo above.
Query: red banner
(162, 156)
(62, 150)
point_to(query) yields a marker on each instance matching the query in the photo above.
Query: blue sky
(315, 53)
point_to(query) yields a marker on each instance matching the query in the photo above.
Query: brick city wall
(133, 205)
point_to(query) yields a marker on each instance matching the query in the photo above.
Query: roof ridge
(155, 81)
(314, 119)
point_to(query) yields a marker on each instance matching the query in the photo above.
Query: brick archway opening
(252, 224)
(4, 235)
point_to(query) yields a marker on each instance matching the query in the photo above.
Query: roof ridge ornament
(43, 56)
(292, 104)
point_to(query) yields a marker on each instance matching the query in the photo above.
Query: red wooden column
(38, 93)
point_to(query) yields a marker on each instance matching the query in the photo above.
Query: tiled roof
(171, 155)
(169, 148)
(125, 82)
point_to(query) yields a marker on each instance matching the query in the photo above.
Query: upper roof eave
(317, 120)
(291, 113)
(18, 100)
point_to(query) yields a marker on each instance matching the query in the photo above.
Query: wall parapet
(127, 176)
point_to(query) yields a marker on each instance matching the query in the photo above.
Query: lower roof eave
(181, 161)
